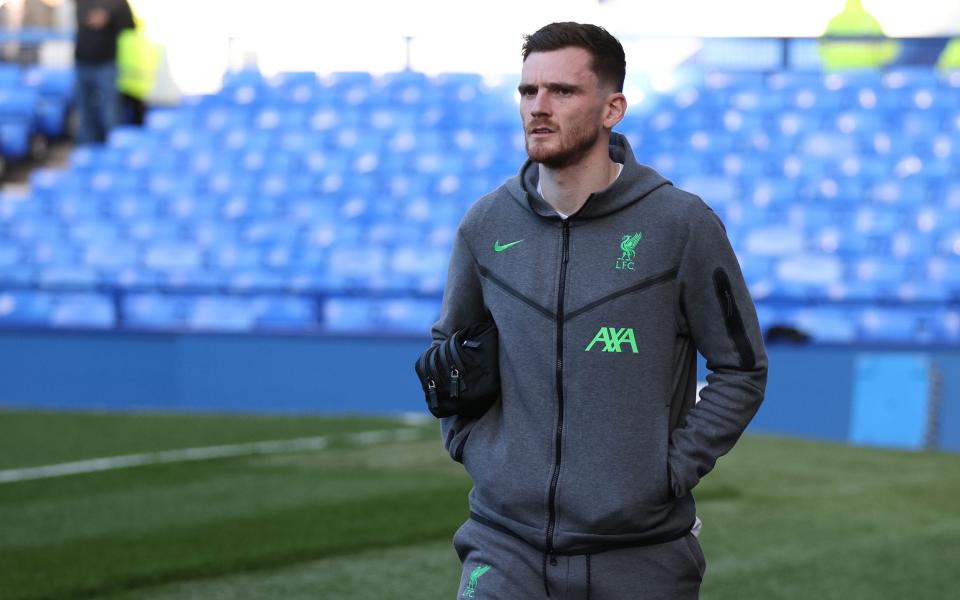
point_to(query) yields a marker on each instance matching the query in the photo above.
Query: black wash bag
(461, 375)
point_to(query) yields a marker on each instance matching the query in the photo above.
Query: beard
(573, 147)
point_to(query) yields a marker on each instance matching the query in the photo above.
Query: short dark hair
(608, 60)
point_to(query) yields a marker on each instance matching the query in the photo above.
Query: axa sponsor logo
(614, 339)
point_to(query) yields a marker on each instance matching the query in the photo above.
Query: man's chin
(545, 156)
(551, 160)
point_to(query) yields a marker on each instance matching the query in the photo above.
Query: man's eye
(563, 92)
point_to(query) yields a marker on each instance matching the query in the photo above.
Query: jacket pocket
(461, 446)
(457, 437)
(696, 553)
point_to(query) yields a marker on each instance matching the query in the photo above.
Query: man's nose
(540, 105)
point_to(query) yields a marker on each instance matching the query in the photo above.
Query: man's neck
(567, 189)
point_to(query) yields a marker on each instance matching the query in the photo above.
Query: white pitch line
(363, 438)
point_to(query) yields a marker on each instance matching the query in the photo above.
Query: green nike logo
(498, 248)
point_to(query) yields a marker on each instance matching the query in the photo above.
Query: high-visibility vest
(137, 60)
(950, 56)
(864, 54)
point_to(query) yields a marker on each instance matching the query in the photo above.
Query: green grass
(784, 518)
(31, 438)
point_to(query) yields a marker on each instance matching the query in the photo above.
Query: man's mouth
(540, 130)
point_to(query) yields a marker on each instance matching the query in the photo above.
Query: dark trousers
(97, 101)
(134, 110)
(498, 566)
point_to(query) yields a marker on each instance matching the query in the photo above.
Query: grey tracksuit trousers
(498, 566)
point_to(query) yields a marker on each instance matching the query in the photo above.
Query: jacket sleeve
(716, 311)
(462, 306)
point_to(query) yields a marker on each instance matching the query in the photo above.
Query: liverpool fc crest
(627, 246)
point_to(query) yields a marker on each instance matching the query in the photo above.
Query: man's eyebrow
(552, 86)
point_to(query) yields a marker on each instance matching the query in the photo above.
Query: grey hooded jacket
(597, 442)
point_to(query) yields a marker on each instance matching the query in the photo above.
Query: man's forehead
(563, 65)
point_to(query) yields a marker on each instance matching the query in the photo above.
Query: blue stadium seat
(11, 75)
(219, 313)
(836, 188)
(172, 256)
(775, 241)
(409, 315)
(83, 311)
(895, 325)
(830, 325)
(46, 309)
(18, 107)
(110, 255)
(55, 96)
(154, 311)
(70, 276)
(809, 270)
(384, 316)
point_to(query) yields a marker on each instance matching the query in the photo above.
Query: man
(99, 23)
(604, 280)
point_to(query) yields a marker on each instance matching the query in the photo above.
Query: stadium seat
(18, 107)
(54, 89)
(347, 188)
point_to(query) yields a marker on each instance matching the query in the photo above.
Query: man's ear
(615, 109)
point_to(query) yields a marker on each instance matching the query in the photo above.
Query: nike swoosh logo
(498, 248)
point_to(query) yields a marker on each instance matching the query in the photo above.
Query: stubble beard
(566, 154)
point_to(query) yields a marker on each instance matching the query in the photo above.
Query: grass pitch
(783, 518)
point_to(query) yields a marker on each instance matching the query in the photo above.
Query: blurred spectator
(19, 14)
(138, 58)
(855, 21)
(99, 23)
(950, 57)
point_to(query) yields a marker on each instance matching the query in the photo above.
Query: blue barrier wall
(810, 389)
(209, 372)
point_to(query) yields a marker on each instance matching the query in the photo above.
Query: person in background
(138, 58)
(99, 23)
(949, 59)
(855, 21)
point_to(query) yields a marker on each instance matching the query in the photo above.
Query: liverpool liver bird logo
(628, 245)
(475, 575)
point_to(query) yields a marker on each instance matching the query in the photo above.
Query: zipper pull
(553, 560)
(432, 393)
(454, 384)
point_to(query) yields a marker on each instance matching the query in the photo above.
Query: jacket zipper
(552, 502)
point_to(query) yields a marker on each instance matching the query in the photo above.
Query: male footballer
(604, 281)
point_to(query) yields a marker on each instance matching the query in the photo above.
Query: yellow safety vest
(950, 56)
(137, 60)
(865, 54)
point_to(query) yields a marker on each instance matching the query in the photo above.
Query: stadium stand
(300, 203)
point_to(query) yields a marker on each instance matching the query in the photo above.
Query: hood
(634, 183)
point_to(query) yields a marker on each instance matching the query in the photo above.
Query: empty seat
(775, 241)
(17, 109)
(47, 309)
(172, 256)
(384, 316)
(901, 325)
(829, 325)
(54, 88)
(834, 189)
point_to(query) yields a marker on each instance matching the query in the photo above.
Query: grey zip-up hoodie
(596, 441)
